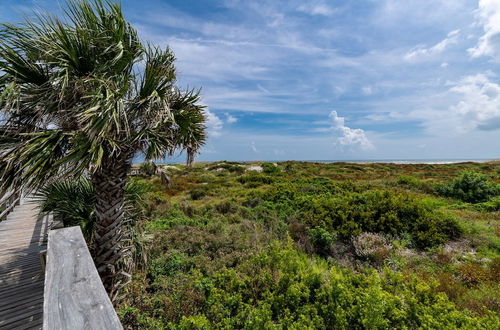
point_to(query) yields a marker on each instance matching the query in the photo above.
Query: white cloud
(489, 18)
(420, 52)
(318, 8)
(349, 136)
(367, 90)
(214, 123)
(470, 104)
(221, 60)
(254, 148)
(444, 64)
(480, 103)
(230, 119)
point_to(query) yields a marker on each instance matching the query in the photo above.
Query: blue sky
(359, 79)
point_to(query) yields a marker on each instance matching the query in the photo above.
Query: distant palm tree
(83, 95)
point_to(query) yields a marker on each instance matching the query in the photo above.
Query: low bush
(351, 213)
(321, 239)
(270, 168)
(176, 216)
(492, 205)
(414, 183)
(371, 246)
(226, 207)
(169, 264)
(482, 300)
(473, 273)
(200, 191)
(284, 289)
(470, 187)
(255, 178)
(148, 169)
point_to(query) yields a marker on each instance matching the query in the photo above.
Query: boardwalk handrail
(74, 297)
(8, 201)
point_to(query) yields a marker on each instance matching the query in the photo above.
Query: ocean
(357, 161)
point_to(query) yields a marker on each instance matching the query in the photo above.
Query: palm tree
(83, 95)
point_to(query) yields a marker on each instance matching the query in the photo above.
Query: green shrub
(255, 178)
(321, 239)
(148, 168)
(413, 183)
(167, 265)
(175, 216)
(200, 191)
(270, 168)
(289, 168)
(284, 289)
(288, 192)
(350, 213)
(226, 207)
(492, 205)
(470, 187)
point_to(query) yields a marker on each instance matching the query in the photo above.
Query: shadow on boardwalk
(21, 275)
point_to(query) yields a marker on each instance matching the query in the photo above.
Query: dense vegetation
(303, 245)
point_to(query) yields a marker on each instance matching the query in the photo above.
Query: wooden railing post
(74, 297)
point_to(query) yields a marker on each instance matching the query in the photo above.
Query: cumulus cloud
(420, 52)
(230, 119)
(479, 106)
(214, 123)
(489, 18)
(349, 136)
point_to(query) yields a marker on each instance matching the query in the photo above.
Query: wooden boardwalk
(21, 275)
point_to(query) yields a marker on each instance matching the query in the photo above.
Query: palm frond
(82, 88)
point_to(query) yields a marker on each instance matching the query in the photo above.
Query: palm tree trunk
(109, 183)
(190, 156)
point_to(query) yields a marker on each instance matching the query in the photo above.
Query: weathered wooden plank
(21, 306)
(8, 271)
(31, 320)
(24, 314)
(21, 276)
(35, 320)
(74, 295)
(22, 294)
(21, 279)
(17, 271)
(7, 290)
(22, 298)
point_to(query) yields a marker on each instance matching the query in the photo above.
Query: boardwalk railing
(74, 297)
(7, 203)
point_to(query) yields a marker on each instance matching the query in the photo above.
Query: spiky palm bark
(109, 182)
(191, 153)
